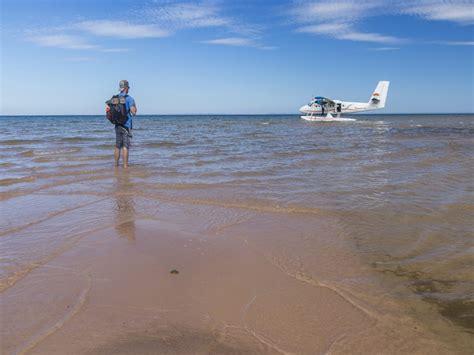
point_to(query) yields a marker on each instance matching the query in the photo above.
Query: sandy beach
(112, 292)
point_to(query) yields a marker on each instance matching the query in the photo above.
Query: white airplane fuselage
(337, 107)
(345, 107)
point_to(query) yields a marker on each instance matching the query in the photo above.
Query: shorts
(122, 137)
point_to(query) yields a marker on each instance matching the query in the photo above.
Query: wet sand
(113, 293)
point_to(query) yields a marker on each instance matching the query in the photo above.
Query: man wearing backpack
(120, 109)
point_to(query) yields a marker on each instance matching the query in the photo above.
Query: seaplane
(324, 109)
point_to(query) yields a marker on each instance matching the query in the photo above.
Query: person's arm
(133, 107)
(108, 113)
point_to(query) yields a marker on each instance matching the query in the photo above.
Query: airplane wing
(323, 100)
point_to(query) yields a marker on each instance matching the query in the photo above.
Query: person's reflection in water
(124, 205)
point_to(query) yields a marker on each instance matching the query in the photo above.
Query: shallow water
(400, 187)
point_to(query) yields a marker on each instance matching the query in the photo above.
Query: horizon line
(236, 114)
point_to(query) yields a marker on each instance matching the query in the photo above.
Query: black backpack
(118, 114)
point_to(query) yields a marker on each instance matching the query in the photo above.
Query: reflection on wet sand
(124, 205)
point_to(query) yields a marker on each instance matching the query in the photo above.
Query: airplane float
(322, 109)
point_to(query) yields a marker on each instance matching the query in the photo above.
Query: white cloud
(239, 42)
(121, 29)
(114, 50)
(457, 43)
(461, 12)
(65, 41)
(60, 37)
(187, 15)
(340, 19)
(176, 16)
(325, 28)
(345, 31)
(322, 11)
(61, 41)
(232, 41)
(367, 37)
(383, 49)
(155, 20)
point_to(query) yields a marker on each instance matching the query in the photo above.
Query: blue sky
(67, 57)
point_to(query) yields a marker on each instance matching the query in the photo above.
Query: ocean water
(400, 187)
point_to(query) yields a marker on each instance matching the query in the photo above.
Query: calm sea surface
(401, 186)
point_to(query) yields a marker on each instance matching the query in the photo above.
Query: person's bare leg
(125, 157)
(117, 156)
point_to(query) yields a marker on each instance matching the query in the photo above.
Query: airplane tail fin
(379, 96)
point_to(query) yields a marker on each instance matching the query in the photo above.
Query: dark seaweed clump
(460, 311)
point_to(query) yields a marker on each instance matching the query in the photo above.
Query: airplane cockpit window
(318, 100)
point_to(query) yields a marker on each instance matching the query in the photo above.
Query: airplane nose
(304, 108)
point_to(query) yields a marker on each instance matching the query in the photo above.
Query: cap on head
(123, 84)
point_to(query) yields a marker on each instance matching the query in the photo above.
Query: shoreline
(294, 114)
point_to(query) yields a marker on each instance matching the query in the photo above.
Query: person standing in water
(123, 132)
